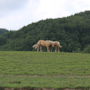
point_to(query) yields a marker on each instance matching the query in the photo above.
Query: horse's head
(35, 46)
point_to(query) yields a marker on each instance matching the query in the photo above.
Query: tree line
(73, 32)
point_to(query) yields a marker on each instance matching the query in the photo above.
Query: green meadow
(43, 69)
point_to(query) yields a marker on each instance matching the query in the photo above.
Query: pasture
(44, 69)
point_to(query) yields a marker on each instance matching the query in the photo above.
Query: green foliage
(87, 49)
(32, 69)
(73, 32)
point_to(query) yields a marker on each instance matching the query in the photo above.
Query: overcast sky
(15, 14)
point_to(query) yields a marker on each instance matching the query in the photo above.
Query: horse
(44, 43)
(48, 44)
(57, 45)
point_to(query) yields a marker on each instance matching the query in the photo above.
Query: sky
(14, 14)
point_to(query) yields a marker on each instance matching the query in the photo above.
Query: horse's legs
(38, 49)
(58, 49)
(41, 48)
(55, 49)
(48, 49)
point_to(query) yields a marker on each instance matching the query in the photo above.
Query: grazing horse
(48, 44)
(44, 43)
(57, 45)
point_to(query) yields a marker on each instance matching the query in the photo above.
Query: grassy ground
(56, 70)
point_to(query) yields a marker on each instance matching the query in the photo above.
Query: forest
(73, 32)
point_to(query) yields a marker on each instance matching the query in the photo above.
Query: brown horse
(57, 45)
(44, 43)
(48, 44)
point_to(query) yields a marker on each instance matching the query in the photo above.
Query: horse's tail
(59, 44)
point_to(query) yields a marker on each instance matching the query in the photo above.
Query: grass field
(55, 70)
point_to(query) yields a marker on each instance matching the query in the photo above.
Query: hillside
(2, 31)
(73, 32)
